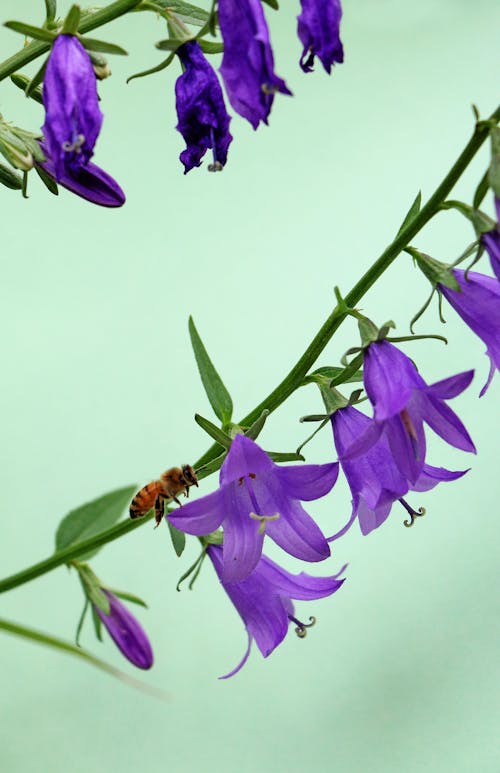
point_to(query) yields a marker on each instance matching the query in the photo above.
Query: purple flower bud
(203, 119)
(478, 303)
(89, 181)
(491, 242)
(258, 497)
(126, 632)
(263, 601)
(248, 63)
(318, 31)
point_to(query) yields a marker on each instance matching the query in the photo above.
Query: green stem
(297, 374)
(89, 22)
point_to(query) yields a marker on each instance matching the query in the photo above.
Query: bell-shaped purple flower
(263, 601)
(402, 402)
(203, 119)
(126, 632)
(72, 116)
(491, 242)
(90, 182)
(375, 480)
(257, 497)
(248, 64)
(319, 32)
(478, 303)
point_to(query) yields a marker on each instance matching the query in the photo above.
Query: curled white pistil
(74, 147)
(263, 520)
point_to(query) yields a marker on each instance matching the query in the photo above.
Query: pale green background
(99, 389)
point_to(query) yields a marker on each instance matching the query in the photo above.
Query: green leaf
(219, 397)
(494, 170)
(217, 434)
(102, 47)
(72, 21)
(208, 47)
(276, 456)
(272, 4)
(10, 179)
(128, 597)
(178, 539)
(36, 81)
(92, 518)
(151, 71)
(412, 212)
(50, 11)
(331, 374)
(170, 44)
(255, 429)
(191, 14)
(210, 467)
(22, 82)
(47, 180)
(30, 31)
(481, 190)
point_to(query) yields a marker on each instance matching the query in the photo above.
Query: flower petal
(301, 586)
(90, 182)
(297, 533)
(126, 632)
(446, 424)
(242, 661)
(450, 387)
(242, 540)
(431, 476)
(308, 481)
(244, 457)
(389, 377)
(201, 516)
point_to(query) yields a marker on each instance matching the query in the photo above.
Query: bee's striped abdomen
(145, 499)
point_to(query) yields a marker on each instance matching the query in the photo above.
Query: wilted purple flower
(491, 242)
(258, 497)
(318, 30)
(263, 600)
(478, 303)
(374, 478)
(248, 63)
(72, 116)
(126, 632)
(203, 119)
(402, 402)
(89, 181)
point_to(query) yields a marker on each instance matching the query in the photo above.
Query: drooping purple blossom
(126, 632)
(478, 303)
(202, 114)
(263, 600)
(375, 480)
(248, 63)
(257, 497)
(491, 242)
(403, 402)
(318, 31)
(73, 121)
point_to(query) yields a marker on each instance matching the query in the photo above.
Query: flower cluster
(73, 118)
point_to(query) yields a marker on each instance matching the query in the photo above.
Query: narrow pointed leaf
(293, 456)
(72, 21)
(272, 4)
(178, 539)
(185, 11)
(92, 518)
(210, 467)
(102, 47)
(219, 397)
(412, 212)
(209, 47)
(10, 179)
(255, 429)
(217, 434)
(22, 82)
(481, 190)
(165, 63)
(47, 180)
(170, 44)
(30, 31)
(129, 597)
(50, 10)
(494, 170)
(36, 81)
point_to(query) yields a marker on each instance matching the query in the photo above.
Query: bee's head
(189, 475)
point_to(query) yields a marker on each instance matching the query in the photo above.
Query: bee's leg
(159, 509)
(186, 492)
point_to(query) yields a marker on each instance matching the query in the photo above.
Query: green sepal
(81, 621)
(97, 623)
(126, 596)
(412, 212)
(208, 47)
(215, 433)
(178, 538)
(332, 398)
(255, 429)
(217, 394)
(332, 374)
(72, 21)
(272, 4)
(30, 31)
(23, 82)
(435, 271)
(47, 180)
(286, 456)
(368, 331)
(50, 11)
(14, 149)
(195, 567)
(171, 44)
(191, 14)
(481, 190)
(92, 518)
(166, 62)
(35, 83)
(102, 47)
(92, 587)
(494, 170)
(481, 222)
(10, 179)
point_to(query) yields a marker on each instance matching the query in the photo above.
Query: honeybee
(176, 480)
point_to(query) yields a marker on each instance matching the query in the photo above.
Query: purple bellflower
(263, 601)
(248, 64)
(491, 242)
(402, 402)
(374, 477)
(72, 124)
(257, 497)
(126, 632)
(203, 119)
(318, 31)
(478, 303)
